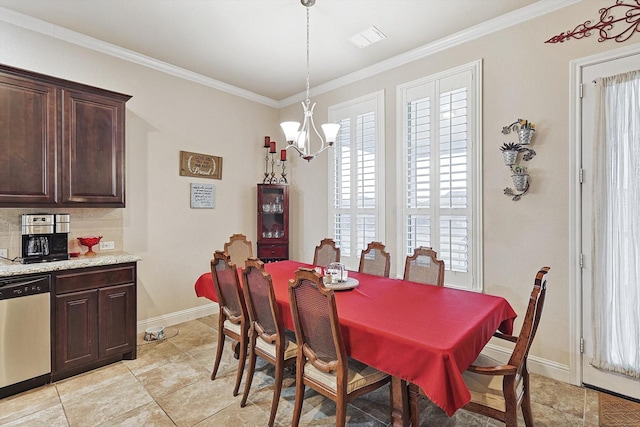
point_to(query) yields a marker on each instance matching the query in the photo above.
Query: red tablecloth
(424, 334)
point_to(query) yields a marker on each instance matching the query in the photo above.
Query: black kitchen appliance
(45, 237)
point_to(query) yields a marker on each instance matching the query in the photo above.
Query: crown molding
(516, 17)
(526, 13)
(61, 33)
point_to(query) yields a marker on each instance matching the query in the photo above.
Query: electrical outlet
(107, 246)
(3, 253)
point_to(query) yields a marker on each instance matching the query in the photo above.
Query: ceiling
(259, 45)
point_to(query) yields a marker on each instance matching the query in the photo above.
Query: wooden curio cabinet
(273, 222)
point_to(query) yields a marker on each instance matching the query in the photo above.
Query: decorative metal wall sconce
(621, 12)
(510, 153)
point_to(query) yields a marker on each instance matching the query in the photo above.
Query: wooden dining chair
(375, 260)
(326, 253)
(239, 248)
(267, 337)
(233, 321)
(424, 267)
(322, 361)
(498, 389)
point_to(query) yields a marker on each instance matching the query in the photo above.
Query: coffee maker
(45, 237)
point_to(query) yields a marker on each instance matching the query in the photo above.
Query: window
(440, 183)
(356, 176)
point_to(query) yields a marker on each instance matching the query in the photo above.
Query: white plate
(342, 286)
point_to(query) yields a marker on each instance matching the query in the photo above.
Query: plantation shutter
(436, 167)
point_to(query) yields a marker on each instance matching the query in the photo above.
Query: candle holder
(266, 167)
(273, 179)
(283, 180)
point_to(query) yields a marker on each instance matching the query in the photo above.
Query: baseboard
(537, 365)
(178, 316)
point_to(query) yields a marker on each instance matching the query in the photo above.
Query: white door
(591, 376)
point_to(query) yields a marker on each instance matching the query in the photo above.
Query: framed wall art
(203, 196)
(200, 165)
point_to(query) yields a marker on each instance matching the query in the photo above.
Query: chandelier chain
(308, 95)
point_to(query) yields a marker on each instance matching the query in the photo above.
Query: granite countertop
(8, 268)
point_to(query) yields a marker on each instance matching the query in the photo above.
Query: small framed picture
(203, 196)
(200, 165)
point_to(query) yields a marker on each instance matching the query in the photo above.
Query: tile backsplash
(103, 222)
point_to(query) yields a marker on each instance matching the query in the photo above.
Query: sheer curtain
(616, 249)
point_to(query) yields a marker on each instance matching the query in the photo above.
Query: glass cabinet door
(273, 222)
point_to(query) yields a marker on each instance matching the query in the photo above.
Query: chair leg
(526, 401)
(414, 404)
(341, 411)
(221, 338)
(251, 370)
(241, 360)
(297, 407)
(277, 390)
(511, 414)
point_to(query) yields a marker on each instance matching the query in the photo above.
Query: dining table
(422, 334)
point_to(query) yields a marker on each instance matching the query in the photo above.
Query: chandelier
(300, 138)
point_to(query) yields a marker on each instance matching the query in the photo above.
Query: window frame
(474, 135)
(351, 109)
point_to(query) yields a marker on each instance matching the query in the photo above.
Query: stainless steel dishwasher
(25, 333)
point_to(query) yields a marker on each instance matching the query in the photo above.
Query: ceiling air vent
(367, 37)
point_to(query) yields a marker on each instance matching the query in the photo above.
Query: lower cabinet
(94, 318)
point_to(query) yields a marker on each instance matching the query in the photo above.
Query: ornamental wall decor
(511, 150)
(626, 13)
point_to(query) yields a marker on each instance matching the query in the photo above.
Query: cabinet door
(273, 222)
(27, 142)
(76, 327)
(117, 319)
(93, 150)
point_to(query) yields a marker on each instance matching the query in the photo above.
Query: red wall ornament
(624, 12)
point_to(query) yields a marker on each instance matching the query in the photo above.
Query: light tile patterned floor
(169, 385)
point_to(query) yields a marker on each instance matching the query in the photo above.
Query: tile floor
(169, 385)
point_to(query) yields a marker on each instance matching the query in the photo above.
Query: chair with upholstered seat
(322, 361)
(375, 260)
(326, 253)
(498, 389)
(239, 249)
(424, 267)
(267, 337)
(233, 321)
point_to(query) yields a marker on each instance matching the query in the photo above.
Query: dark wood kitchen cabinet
(94, 318)
(62, 142)
(273, 222)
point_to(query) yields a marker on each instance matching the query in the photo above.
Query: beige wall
(165, 115)
(522, 78)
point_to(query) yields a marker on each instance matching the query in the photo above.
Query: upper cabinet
(62, 143)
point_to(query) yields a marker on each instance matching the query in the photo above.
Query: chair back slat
(326, 253)
(260, 299)
(316, 321)
(424, 267)
(239, 249)
(227, 286)
(531, 320)
(375, 260)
